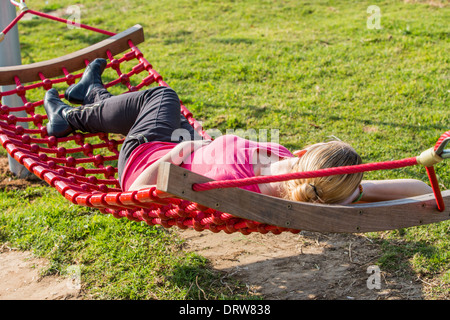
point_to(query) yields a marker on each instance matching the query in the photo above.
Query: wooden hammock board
(369, 217)
(74, 61)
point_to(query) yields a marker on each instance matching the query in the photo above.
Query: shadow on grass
(337, 269)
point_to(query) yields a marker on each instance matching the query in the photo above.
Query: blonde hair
(331, 189)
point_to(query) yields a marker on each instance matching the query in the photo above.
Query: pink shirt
(227, 157)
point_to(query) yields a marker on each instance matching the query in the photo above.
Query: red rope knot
(115, 64)
(51, 164)
(112, 145)
(61, 152)
(197, 225)
(51, 141)
(98, 160)
(4, 109)
(61, 172)
(229, 228)
(73, 180)
(29, 107)
(26, 139)
(12, 119)
(37, 119)
(214, 228)
(19, 130)
(43, 157)
(162, 212)
(71, 162)
(79, 138)
(124, 78)
(47, 83)
(34, 148)
(217, 218)
(81, 171)
(43, 131)
(109, 171)
(103, 188)
(20, 90)
(70, 78)
(180, 223)
(132, 215)
(87, 149)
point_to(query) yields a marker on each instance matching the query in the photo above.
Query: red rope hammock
(82, 167)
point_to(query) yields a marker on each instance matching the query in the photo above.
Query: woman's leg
(96, 95)
(153, 113)
(92, 78)
(143, 116)
(112, 114)
(119, 114)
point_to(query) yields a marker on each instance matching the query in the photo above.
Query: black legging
(142, 116)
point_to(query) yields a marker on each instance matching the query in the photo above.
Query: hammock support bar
(74, 61)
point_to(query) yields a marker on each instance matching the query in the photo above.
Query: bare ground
(20, 279)
(277, 267)
(302, 266)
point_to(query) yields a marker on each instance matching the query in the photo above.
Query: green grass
(311, 69)
(117, 259)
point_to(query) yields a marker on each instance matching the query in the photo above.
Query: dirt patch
(8, 180)
(20, 279)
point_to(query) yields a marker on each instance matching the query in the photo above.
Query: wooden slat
(357, 218)
(74, 61)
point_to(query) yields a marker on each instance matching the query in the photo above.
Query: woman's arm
(176, 156)
(384, 190)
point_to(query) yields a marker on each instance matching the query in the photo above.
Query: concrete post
(9, 56)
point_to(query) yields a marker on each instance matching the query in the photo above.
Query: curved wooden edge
(358, 218)
(74, 61)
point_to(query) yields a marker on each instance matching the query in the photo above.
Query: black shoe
(56, 110)
(92, 77)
